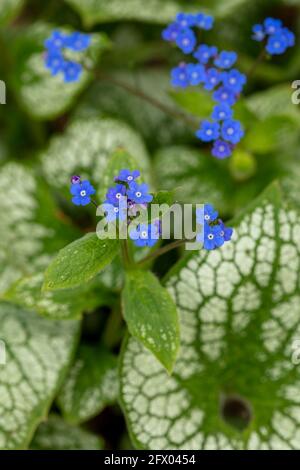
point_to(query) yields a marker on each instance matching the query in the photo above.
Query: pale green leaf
(60, 305)
(31, 228)
(79, 262)
(42, 95)
(239, 314)
(151, 316)
(38, 353)
(85, 149)
(91, 385)
(56, 434)
(155, 11)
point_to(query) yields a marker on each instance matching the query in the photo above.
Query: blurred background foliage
(50, 130)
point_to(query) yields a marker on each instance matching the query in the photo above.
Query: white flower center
(118, 195)
(116, 209)
(186, 42)
(232, 81)
(83, 193)
(206, 55)
(130, 178)
(209, 132)
(224, 96)
(144, 234)
(210, 236)
(230, 131)
(182, 76)
(222, 148)
(222, 114)
(277, 45)
(206, 217)
(138, 194)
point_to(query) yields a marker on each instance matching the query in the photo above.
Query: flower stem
(162, 251)
(190, 121)
(128, 261)
(256, 63)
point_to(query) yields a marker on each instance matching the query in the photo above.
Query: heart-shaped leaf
(91, 385)
(79, 262)
(239, 312)
(37, 355)
(56, 434)
(151, 316)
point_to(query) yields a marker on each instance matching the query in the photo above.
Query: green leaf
(38, 353)
(31, 226)
(91, 385)
(119, 160)
(151, 316)
(94, 11)
(60, 305)
(56, 434)
(42, 95)
(9, 10)
(85, 149)
(80, 261)
(235, 384)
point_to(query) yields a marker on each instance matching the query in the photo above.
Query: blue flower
(221, 149)
(225, 96)
(289, 35)
(277, 44)
(272, 25)
(210, 214)
(139, 193)
(144, 235)
(226, 232)
(234, 80)
(232, 131)
(56, 41)
(222, 112)
(258, 32)
(179, 76)
(72, 71)
(208, 131)
(127, 176)
(186, 41)
(115, 211)
(212, 78)
(226, 59)
(196, 74)
(115, 194)
(82, 193)
(212, 237)
(204, 21)
(78, 41)
(55, 62)
(185, 20)
(204, 53)
(171, 32)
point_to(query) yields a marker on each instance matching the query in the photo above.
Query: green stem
(191, 122)
(162, 251)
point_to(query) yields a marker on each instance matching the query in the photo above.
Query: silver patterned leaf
(56, 434)
(236, 382)
(35, 356)
(85, 148)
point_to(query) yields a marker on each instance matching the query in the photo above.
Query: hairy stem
(256, 63)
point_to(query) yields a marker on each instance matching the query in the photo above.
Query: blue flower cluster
(125, 200)
(213, 70)
(278, 38)
(54, 58)
(215, 232)
(81, 191)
